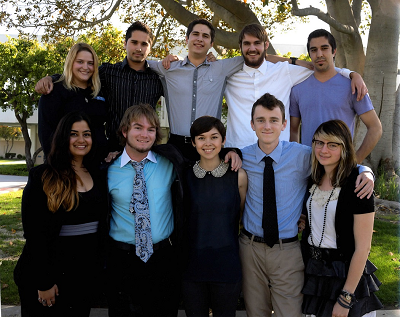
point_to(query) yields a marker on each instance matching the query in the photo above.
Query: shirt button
(193, 109)
(194, 82)
(211, 79)
(194, 95)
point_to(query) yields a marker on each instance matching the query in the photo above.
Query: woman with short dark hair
(215, 199)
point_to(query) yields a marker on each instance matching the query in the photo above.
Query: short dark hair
(139, 26)
(321, 33)
(269, 102)
(134, 113)
(255, 30)
(205, 124)
(204, 22)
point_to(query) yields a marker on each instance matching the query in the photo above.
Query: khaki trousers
(272, 278)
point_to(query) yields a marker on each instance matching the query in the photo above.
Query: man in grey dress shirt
(194, 87)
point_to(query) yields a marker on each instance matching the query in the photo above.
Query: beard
(139, 149)
(254, 63)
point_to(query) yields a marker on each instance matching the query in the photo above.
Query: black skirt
(325, 279)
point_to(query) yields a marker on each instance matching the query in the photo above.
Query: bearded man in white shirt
(258, 77)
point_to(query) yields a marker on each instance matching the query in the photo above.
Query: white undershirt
(318, 204)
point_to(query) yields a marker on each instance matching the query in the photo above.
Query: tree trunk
(28, 143)
(380, 75)
(351, 50)
(396, 132)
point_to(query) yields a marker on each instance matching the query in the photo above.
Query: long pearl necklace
(325, 212)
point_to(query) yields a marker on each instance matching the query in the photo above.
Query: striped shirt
(124, 87)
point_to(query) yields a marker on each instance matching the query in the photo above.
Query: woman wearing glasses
(339, 279)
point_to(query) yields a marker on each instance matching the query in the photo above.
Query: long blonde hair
(335, 131)
(67, 76)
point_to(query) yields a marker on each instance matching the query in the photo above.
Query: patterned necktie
(140, 207)
(270, 217)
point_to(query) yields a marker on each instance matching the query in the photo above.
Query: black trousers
(186, 148)
(135, 288)
(199, 297)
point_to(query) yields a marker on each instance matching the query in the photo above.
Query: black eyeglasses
(331, 145)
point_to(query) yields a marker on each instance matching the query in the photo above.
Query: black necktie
(270, 217)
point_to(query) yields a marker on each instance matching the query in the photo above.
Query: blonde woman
(64, 208)
(78, 89)
(339, 278)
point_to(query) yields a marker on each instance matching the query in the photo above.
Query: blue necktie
(140, 207)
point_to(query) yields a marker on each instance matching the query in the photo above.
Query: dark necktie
(270, 217)
(139, 206)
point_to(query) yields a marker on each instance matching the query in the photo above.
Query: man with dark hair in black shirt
(126, 83)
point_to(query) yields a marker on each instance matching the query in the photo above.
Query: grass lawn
(385, 252)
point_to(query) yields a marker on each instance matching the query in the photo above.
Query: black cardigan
(41, 231)
(348, 205)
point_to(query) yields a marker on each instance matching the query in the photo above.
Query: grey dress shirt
(192, 92)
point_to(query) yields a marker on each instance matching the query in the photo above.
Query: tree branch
(159, 28)
(356, 7)
(326, 17)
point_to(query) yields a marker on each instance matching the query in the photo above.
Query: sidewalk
(14, 311)
(12, 183)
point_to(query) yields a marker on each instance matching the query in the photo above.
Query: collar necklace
(219, 171)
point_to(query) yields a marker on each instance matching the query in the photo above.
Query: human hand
(357, 83)
(364, 185)
(48, 298)
(111, 156)
(166, 62)
(236, 162)
(211, 57)
(301, 224)
(44, 86)
(339, 311)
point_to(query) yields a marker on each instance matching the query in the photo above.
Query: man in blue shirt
(148, 287)
(273, 276)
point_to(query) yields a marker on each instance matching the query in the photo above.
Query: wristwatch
(348, 296)
(294, 59)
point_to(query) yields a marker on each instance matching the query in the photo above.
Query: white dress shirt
(249, 84)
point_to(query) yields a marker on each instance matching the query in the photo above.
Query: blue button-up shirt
(292, 166)
(159, 175)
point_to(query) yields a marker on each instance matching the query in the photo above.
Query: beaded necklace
(325, 212)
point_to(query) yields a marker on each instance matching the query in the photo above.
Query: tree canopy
(23, 61)
(60, 18)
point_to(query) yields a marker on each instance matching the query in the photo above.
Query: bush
(10, 155)
(387, 188)
(19, 156)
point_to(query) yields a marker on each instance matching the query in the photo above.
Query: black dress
(73, 263)
(59, 102)
(213, 228)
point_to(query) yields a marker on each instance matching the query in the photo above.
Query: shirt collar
(275, 154)
(251, 71)
(187, 61)
(125, 64)
(125, 159)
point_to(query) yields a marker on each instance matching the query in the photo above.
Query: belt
(180, 138)
(261, 240)
(132, 248)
